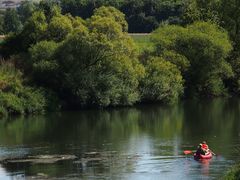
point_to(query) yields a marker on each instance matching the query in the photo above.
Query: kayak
(200, 156)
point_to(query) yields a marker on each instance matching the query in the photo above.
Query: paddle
(186, 152)
(213, 153)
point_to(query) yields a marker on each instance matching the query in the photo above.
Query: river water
(141, 142)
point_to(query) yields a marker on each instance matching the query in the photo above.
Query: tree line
(141, 15)
(57, 60)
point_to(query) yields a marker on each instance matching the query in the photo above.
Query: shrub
(200, 50)
(233, 174)
(33, 101)
(12, 103)
(3, 111)
(15, 97)
(163, 81)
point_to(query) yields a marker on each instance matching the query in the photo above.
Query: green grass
(233, 173)
(1, 40)
(143, 41)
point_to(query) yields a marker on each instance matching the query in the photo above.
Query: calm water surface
(143, 142)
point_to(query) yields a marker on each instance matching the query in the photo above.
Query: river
(141, 142)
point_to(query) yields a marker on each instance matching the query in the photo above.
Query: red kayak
(200, 156)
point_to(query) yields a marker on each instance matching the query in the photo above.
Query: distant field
(4, 4)
(1, 39)
(143, 41)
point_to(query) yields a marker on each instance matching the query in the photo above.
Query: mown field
(142, 40)
(1, 39)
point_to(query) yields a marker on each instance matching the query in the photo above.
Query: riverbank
(233, 173)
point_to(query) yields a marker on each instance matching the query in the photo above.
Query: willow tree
(206, 47)
(96, 64)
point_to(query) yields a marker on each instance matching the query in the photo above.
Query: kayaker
(200, 150)
(205, 147)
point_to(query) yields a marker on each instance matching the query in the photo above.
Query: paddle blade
(186, 152)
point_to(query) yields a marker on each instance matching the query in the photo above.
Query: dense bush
(15, 97)
(233, 173)
(163, 81)
(92, 62)
(59, 27)
(43, 65)
(95, 65)
(205, 46)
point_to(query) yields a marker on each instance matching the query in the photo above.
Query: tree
(34, 30)
(230, 18)
(99, 67)
(80, 8)
(206, 47)
(112, 12)
(25, 10)
(201, 10)
(1, 25)
(163, 81)
(11, 21)
(15, 97)
(50, 8)
(59, 27)
(44, 66)
(95, 64)
(147, 13)
(132, 7)
(140, 23)
(227, 14)
(179, 60)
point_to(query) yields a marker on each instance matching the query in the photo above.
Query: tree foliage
(201, 10)
(11, 21)
(59, 27)
(163, 81)
(141, 15)
(25, 10)
(112, 12)
(15, 98)
(206, 47)
(44, 66)
(92, 61)
(96, 64)
(230, 18)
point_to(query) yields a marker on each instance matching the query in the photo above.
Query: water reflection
(141, 142)
(3, 174)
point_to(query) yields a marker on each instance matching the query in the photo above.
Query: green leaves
(163, 81)
(43, 64)
(11, 21)
(59, 27)
(15, 97)
(201, 50)
(90, 63)
(113, 13)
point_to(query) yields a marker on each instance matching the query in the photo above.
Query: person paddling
(205, 147)
(200, 150)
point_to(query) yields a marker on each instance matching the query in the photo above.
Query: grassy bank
(233, 173)
(1, 39)
(142, 40)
